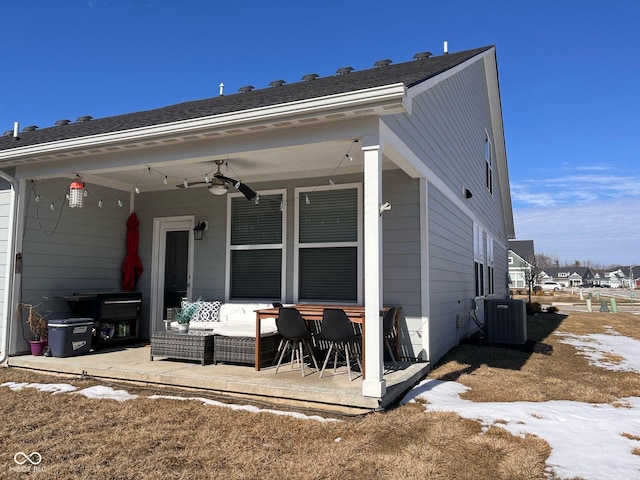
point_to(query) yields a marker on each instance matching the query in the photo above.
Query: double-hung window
(491, 286)
(478, 259)
(488, 159)
(328, 244)
(255, 241)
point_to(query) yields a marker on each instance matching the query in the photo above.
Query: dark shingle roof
(523, 248)
(409, 73)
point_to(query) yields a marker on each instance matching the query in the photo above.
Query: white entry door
(172, 265)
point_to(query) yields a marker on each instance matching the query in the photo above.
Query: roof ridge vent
(84, 118)
(246, 89)
(8, 133)
(30, 128)
(277, 83)
(344, 70)
(383, 63)
(62, 122)
(422, 55)
(310, 76)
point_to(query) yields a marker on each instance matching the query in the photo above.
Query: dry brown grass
(150, 439)
(552, 372)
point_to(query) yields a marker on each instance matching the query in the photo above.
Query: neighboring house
(568, 276)
(521, 260)
(618, 277)
(382, 186)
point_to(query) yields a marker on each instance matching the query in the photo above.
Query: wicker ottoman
(183, 346)
(243, 349)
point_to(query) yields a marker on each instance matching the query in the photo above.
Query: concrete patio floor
(331, 393)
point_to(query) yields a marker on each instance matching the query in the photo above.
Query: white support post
(374, 384)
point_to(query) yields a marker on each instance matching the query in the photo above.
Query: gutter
(9, 271)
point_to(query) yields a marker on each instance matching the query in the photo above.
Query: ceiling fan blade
(194, 184)
(244, 189)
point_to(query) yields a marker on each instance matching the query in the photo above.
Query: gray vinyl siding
(446, 131)
(401, 256)
(5, 219)
(70, 250)
(451, 273)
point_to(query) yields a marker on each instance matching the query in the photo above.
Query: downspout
(10, 268)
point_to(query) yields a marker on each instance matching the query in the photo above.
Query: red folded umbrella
(132, 266)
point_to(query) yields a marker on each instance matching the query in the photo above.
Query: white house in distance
(403, 165)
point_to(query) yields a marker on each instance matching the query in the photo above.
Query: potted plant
(183, 316)
(39, 328)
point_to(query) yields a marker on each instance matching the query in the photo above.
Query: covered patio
(332, 393)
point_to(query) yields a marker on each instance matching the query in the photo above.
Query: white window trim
(488, 158)
(298, 194)
(274, 246)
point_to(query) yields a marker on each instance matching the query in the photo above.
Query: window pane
(330, 216)
(256, 274)
(328, 274)
(259, 224)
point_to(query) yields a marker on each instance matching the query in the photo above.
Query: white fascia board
(350, 100)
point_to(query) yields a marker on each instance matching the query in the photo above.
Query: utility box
(505, 321)
(70, 336)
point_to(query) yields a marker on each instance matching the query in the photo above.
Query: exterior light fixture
(199, 229)
(76, 193)
(218, 187)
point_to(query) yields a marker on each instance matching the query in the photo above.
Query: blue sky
(569, 77)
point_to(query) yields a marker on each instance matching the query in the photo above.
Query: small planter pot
(37, 347)
(183, 327)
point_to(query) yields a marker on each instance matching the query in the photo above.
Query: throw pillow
(191, 309)
(208, 312)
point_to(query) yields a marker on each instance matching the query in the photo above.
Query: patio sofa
(234, 326)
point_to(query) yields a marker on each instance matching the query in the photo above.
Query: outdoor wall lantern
(199, 229)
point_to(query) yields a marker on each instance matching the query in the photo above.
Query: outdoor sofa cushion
(235, 320)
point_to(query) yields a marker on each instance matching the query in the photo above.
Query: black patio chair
(293, 329)
(388, 324)
(337, 329)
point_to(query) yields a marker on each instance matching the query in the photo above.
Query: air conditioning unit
(505, 321)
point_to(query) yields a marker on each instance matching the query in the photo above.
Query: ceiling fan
(218, 184)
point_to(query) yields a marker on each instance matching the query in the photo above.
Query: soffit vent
(246, 89)
(382, 63)
(422, 55)
(30, 128)
(344, 70)
(277, 83)
(84, 118)
(310, 76)
(59, 123)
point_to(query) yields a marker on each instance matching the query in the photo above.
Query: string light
(207, 179)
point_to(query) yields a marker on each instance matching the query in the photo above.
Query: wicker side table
(183, 346)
